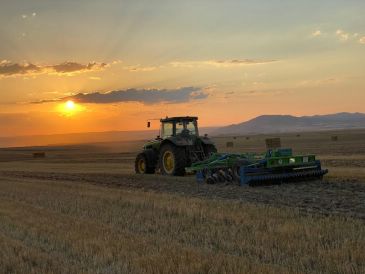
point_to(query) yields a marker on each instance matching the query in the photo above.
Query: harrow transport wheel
(144, 164)
(172, 160)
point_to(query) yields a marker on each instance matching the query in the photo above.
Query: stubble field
(83, 210)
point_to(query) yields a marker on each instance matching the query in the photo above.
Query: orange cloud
(145, 96)
(8, 69)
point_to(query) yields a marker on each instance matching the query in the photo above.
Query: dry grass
(61, 227)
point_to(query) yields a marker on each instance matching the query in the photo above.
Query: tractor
(177, 147)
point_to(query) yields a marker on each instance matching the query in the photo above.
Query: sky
(87, 65)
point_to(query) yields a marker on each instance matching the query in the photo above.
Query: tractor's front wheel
(144, 165)
(172, 160)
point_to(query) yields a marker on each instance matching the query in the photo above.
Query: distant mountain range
(288, 123)
(261, 124)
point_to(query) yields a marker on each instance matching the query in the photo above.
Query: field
(83, 210)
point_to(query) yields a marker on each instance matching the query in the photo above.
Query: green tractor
(178, 146)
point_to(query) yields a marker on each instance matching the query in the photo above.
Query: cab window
(179, 127)
(167, 129)
(191, 126)
(186, 127)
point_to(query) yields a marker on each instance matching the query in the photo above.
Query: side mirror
(148, 124)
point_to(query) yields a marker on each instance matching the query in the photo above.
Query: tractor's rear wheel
(143, 164)
(172, 160)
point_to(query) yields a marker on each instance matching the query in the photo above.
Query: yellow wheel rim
(141, 165)
(168, 162)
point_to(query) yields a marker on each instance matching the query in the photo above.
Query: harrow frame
(276, 166)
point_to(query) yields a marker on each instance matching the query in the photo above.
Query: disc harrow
(275, 166)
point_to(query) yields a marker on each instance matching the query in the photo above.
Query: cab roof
(179, 118)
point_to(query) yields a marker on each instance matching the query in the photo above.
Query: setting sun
(69, 108)
(70, 105)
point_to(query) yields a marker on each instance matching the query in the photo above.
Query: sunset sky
(123, 62)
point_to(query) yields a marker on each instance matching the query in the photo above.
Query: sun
(70, 105)
(69, 108)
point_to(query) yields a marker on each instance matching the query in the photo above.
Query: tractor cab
(179, 126)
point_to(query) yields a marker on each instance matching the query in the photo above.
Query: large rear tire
(172, 160)
(144, 164)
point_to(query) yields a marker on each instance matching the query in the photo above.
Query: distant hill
(288, 123)
(261, 124)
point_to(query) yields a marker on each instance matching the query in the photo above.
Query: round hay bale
(229, 144)
(273, 143)
(39, 154)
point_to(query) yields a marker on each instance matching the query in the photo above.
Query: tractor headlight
(292, 160)
(280, 161)
(305, 160)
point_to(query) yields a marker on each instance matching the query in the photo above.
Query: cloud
(343, 36)
(8, 68)
(139, 68)
(319, 82)
(220, 63)
(199, 63)
(145, 96)
(25, 16)
(95, 78)
(316, 33)
(73, 67)
(362, 40)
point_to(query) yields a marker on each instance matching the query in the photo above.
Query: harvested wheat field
(81, 209)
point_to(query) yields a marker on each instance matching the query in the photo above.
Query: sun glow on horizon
(69, 108)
